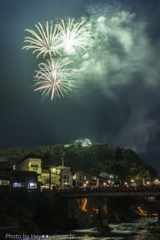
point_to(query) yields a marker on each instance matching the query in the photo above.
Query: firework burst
(74, 35)
(53, 77)
(45, 40)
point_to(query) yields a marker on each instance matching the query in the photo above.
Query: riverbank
(45, 213)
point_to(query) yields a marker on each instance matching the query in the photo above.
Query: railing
(108, 189)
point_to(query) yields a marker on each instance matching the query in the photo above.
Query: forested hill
(97, 157)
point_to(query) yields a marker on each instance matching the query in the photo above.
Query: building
(30, 164)
(27, 180)
(87, 178)
(11, 179)
(11, 161)
(66, 176)
(47, 176)
(5, 176)
(58, 176)
(110, 177)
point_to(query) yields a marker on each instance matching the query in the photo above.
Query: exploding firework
(45, 40)
(53, 77)
(74, 35)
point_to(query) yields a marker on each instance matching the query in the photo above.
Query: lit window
(32, 185)
(84, 177)
(0, 182)
(5, 182)
(34, 166)
(16, 184)
(94, 178)
(111, 176)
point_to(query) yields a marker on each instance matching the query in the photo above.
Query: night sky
(115, 99)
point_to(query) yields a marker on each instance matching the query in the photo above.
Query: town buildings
(87, 178)
(30, 173)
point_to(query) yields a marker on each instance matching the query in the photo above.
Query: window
(15, 184)
(46, 180)
(94, 178)
(34, 166)
(5, 182)
(64, 177)
(84, 177)
(33, 185)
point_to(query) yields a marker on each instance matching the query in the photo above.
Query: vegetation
(156, 237)
(97, 157)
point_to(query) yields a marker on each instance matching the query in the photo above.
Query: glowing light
(84, 205)
(74, 35)
(45, 40)
(86, 182)
(53, 77)
(132, 180)
(125, 183)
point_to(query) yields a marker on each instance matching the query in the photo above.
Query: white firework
(45, 40)
(74, 35)
(53, 77)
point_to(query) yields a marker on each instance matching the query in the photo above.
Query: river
(119, 231)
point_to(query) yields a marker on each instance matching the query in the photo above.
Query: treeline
(97, 157)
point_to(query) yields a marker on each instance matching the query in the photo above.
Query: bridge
(102, 194)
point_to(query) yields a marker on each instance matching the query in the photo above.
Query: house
(30, 164)
(47, 176)
(11, 179)
(88, 178)
(57, 176)
(11, 161)
(50, 177)
(5, 176)
(110, 177)
(27, 180)
(66, 176)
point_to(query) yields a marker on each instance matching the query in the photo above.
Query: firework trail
(53, 77)
(45, 40)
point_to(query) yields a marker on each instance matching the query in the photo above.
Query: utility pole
(63, 154)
